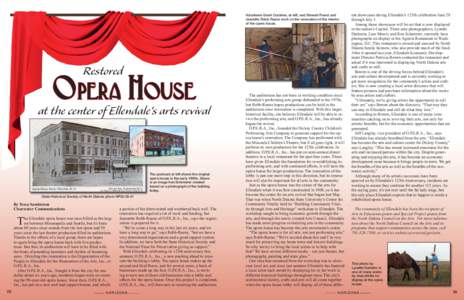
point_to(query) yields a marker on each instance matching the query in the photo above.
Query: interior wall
(326, 32)
(280, 39)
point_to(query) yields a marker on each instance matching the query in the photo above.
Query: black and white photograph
(75, 155)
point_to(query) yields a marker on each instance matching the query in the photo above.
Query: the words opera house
(72, 148)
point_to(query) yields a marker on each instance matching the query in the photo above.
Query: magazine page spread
(224, 150)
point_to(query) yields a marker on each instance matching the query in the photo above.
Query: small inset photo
(158, 145)
(268, 54)
(419, 264)
(83, 155)
(318, 55)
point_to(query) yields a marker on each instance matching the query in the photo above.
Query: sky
(173, 129)
(420, 250)
(116, 124)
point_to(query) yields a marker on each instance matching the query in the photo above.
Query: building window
(59, 151)
(88, 138)
(95, 151)
(66, 136)
(82, 150)
(74, 136)
(66, 149)
(107, 140)
(101, 140)
(54, 138)
(95, 139)
(74, 150)
(107, 152)
(82, 137)
(88, 150)
(59, 137)
(113, 141)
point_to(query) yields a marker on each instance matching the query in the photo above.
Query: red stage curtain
(88, 41)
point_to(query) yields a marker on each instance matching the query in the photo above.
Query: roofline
(157, 131)
(52, 126)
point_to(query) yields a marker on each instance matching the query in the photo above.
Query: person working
(325, 74)
(265, 55)
(435, 266)
(309, 62)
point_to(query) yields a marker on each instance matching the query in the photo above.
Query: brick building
(150, 142)
(72, 148)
